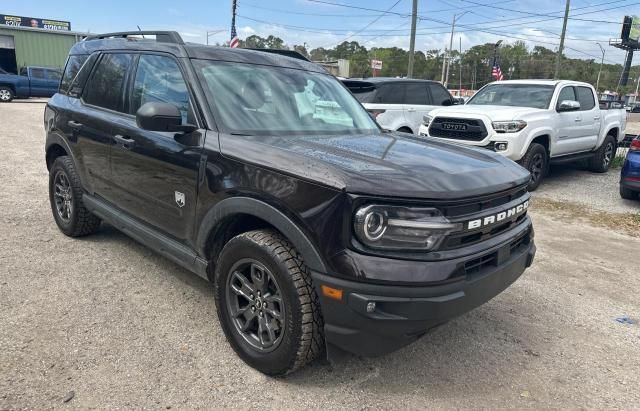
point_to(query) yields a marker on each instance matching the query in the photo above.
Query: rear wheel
(628, 194)
(602, 158)
(65, 196)
(6, 94)
(266, 304)
(536, 161)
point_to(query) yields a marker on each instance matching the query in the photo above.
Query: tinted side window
(566, 93)
(391, 94)
(71, 70)
(416, 93)
(37, 73)
(585, 98)
(106, 84)
(439, 94)
(23, 71)
(158, 79)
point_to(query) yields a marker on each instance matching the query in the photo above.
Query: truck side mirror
(569, 105)
(157, 116)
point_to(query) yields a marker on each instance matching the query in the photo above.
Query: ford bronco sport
(264, 175)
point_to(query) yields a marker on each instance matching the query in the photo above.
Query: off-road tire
(6, 94)
(81, 221)
(602, 158)
(302, 340)
(536, 161)
(628, 194)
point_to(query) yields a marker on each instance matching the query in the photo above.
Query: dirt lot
(121, 327)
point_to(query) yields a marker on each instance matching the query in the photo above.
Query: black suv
(263, 174)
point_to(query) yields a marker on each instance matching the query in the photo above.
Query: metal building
(45, 46)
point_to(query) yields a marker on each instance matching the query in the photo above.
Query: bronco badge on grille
(498, 217)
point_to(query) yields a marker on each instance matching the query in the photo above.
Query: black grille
(476, 205)
(477, 265)
(475, 129)
(464, 239)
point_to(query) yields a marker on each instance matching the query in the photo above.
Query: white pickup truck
(535, 123)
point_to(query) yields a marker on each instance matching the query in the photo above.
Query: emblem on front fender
(179, 199)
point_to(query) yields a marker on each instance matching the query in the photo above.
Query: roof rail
(161, 36)
(288, 53)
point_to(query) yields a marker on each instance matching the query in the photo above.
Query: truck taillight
(635, 144)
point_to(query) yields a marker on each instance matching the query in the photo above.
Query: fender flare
(264, 211)
(535, 133)
(56, 139)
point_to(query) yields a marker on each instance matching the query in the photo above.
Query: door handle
(74, 124)
(125, 142)
(596, 118)
(411, 110)
(578, 119)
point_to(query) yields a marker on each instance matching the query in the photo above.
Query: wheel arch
(10, 86)
(236, 215)
(54, 151)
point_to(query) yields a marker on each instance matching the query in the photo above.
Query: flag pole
(234, 41)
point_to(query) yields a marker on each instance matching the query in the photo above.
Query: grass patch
(617, 162)
(627, 223)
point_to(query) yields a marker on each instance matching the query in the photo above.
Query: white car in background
(399, 104)
(535, 123)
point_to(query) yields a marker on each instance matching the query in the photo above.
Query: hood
(381, 164)
(494, 113)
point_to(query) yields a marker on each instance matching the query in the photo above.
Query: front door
(155, 174)
(570, 130)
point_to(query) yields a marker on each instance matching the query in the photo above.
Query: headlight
(401, 228)
(508, 126)
(426, 120)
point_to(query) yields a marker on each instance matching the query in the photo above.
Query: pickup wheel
(602, 158)
(266, 303)
(536, 161)
(628, 194)
(6, 94)
(65, 196)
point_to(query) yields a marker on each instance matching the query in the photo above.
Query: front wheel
(266, 304)
(535, 161)
(6, 94)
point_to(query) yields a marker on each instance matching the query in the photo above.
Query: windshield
(516, 95)
(264, 100)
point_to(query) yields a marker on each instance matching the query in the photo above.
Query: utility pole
(447, 61)
(412, 42)
(564, 31)
(460, 89)
(601, 63)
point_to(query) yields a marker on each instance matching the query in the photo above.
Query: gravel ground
(103, 322)
(577, 184)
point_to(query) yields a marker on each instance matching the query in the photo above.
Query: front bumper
(402, 314)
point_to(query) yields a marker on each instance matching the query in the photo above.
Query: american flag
(496, 73)
(235, 41)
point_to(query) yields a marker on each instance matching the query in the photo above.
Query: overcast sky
(318, 24)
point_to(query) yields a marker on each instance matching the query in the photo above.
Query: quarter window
(107, 82)
(71, 70)
(585, 98)
(159, 79)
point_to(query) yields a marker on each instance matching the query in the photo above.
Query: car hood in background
(381, 164)
(494, 113)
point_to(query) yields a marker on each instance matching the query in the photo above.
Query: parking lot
(103, 322)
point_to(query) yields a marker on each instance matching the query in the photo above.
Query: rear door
(590, 124)
(155, 174)
(388, 104)
(417, 103)
(92, 116)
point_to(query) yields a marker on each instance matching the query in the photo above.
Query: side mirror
(447, 103)
(158, 116)
(569, 105)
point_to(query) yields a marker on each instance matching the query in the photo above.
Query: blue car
(630, 174)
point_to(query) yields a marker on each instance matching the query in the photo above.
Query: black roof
(379, 80)
(171, 43)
